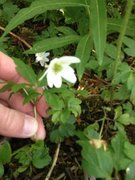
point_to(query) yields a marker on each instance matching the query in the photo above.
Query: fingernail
(30, 126)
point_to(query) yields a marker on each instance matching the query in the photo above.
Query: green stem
(88, 10)
(122, 33)
(102, 126)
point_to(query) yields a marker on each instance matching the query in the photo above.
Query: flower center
(57, 67)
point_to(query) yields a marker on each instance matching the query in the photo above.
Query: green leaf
(5, 152)
(122, 74)
(53, 100)
(40, 155)
(91, 131)
(98, 18)
(52, 43)
(111, 50)
(131, 85)
(130, 43)
(126, 119)
(114, 25)
(7, 86)
(130, 171)
(25, 70)
(23, 157)
(117, 145)
(1, 169)
(129, 150)
(74, 106)
(17, 87)
(38, 7)
(9, 10)
(96, 162)
(63, 131)
(67, 130)
(83, 52)
(66, 30)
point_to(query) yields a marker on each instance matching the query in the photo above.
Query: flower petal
(50, 77)
(69, 60)
(57, 81)
(54, 79)
(68, 74)
(42, 57)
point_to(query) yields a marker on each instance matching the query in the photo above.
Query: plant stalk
(54, 162)
(122, 33)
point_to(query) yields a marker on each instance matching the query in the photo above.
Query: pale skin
(17, 119)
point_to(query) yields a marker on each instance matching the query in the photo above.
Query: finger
(8, 73)
(8, 69)
(16, 102)
(4, 103)
(41, 133)
(16, 124)
(42, 107)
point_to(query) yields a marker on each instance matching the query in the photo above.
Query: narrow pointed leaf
(38, 7)
(114, 25)
(25, 70)
(83, 52)
(99, 27)
(52, 43)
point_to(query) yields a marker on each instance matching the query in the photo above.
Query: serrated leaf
(131, 80)
(55, 136)
(74, 106)
(30, 97)
(25, 70)
(98, 18)
(5, 152)
(114, 25)
(40, 155)
(122, 74)
(126, 119)
(130, 171)
(54, 101)
(111, 50)
(52, 43)
(130, 43)
(9, 10)
(38, 7)
(96, 162)
(129, 150)
(7, 87)
(1, 169)
(130, 52)
(117, 144)
(83, 52)
(17, 87)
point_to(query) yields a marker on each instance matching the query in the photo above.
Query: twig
(62, 175)
(17, 37)
(54, 162)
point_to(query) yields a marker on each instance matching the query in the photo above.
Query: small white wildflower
(127, 170)
(60, 68)
(42, 57)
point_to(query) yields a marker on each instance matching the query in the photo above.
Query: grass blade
(38, 7)
(52, 43)
(99, 26)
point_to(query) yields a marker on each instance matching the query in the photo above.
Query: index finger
(8, 70)
(8, 73)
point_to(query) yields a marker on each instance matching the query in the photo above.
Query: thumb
(16, 124)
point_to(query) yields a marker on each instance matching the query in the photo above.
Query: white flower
(60, 68)
(42, 57)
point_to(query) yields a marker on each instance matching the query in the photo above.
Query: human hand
(17, 119)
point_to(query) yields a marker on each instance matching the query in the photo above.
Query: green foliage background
(101, 33)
